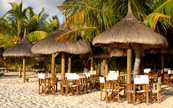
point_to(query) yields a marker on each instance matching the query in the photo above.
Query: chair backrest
(43, 75)
(159, 79)
(170, 71)
(72, 76)
(112, 86)
(87, 74)
(166, 69)
(113, 75)
(147, 70)
(141, 79)
(102, 79)
(92, 72)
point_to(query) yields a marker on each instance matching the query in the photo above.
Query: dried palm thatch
(118, 53)
(48, 45)
(106, 54)
(21, 49)
(130, 33)
(161, 51)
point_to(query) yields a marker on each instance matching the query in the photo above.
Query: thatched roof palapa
(49, 46)
(130, 33)
(21, 49)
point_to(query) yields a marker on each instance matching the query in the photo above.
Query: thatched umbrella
(130, 34)
(21, 49)
(105, 55)
(49, 45)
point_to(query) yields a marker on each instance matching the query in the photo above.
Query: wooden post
(24, 73)
(53, 66)
(92, 64)
(162, 63)
(20, 73)
(69, 64)
(106, 67)
(62, 66)
(129, 65)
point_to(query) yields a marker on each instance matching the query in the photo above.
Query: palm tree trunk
(85, 66)
(92, 64)
(106, 67)
(102, 67)
(137, 63)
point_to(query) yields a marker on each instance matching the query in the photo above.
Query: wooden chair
(83, 85)
(64, 87)
(170, 80)
(139, 90)
(112, 88)
(166, 79)
(46, 84)
(94, 82)
(102, 86)
(153, 77)
(71, 84)
(156, 89)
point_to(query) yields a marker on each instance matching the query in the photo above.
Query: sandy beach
(15, 94)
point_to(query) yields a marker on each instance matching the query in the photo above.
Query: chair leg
(118, 96)
(147, 98)
(101, 96)
(66, 91)
(106, 97)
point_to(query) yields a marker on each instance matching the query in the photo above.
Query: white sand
(15, 94)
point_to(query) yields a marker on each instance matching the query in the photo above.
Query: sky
(49, 5)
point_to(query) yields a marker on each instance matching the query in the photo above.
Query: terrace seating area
(143, 89)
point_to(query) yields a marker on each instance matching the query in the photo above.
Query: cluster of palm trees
(13, 23)
(95, 16)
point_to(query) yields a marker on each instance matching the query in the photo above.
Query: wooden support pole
(20, 73)
(129, 65)
(106, 67)
(162, 63)
(62, 66)
(92, 64)
(24, 73)
(69, 65)
(53, 75)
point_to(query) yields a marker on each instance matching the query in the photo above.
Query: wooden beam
(24, 73)
(62, 65)
(129, 65)
(53, 74)
(69, 65)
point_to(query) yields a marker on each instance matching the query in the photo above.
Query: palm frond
(152, 19)
(74, 34)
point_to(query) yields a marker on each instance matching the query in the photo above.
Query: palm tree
(13, 22)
